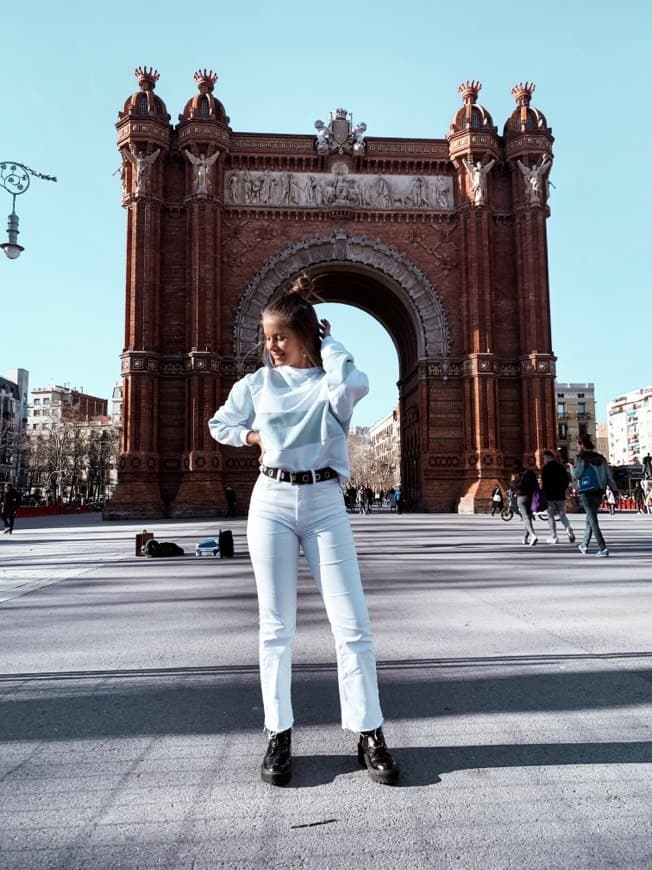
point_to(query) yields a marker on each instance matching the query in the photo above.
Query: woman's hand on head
(324, 328)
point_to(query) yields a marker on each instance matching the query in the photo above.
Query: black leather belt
(299, 477)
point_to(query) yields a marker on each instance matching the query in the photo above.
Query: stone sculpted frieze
(337, 189)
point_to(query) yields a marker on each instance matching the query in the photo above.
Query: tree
(72, 458)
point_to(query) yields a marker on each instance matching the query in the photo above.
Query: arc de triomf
(443, 241)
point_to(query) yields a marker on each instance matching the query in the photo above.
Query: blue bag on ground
(207, 547)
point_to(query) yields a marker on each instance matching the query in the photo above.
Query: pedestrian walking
(231, 501)
(496, 499)
(639, 498)
(10, 504)
(593, 475)
(297, 409)
(611, 500)
(524, 482)
(555, 481)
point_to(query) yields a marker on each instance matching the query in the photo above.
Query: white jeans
(281, 517)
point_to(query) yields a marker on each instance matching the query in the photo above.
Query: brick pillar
(483, 455)
(143, 139)
(537, 361)
(528, 154)
(201, 492)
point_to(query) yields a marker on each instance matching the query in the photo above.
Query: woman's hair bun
(303, 287)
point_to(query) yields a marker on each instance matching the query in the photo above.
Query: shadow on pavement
(108, 704)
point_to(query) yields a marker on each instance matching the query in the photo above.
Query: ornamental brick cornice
(470, 142)
(256, 143)
(139, 131)
(483, 365)
(538, 364)
(530, 143)
(140, 362)
(205, 133)
(408, 147)
(202, 362)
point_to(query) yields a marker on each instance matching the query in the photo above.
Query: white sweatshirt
(302, 415)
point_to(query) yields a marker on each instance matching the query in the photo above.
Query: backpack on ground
(588, 482)
(159, 549)
(226, 543)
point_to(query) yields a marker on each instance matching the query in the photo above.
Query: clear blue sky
(67, 68)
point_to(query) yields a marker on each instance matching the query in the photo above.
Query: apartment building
(629, 421)
(385, 437)
(575, 416)
(52, 404)
(13, 421)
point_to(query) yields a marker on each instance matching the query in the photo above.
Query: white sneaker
(552, 540)
(533, 541)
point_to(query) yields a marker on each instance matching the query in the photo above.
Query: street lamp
(15, 178)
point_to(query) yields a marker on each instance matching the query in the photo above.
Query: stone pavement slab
(515, 681)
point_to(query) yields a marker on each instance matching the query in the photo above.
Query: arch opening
(382, 282)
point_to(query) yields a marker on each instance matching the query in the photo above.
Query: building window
(37, 401)
(561, 395)
(580, 395)
(562, 430)
(581, 407)
(561, 409)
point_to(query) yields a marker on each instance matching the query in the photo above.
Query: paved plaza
(516, 684)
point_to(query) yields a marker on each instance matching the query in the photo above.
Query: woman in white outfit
(297, 409)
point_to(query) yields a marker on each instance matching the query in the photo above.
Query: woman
(296, 410)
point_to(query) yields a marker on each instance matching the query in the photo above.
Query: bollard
(141, 539)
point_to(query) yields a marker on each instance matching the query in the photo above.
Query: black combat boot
(277, 763)
(375, 756)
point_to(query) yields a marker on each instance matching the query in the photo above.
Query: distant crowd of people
(362, 498)
(590, 480)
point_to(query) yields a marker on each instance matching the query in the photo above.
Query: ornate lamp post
(15, 178)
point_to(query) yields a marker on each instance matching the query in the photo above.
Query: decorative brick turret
(144, 135)
(528, 156)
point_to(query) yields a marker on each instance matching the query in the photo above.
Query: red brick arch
(453, 267)
(405, 302)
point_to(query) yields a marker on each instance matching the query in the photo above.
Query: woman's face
(283, 344)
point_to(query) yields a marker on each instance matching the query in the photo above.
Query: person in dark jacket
(231, 500)
(554, 483)
(524, 482)
(593, 475)
(10, 504)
